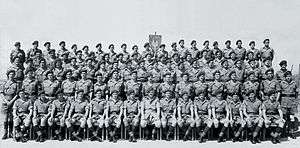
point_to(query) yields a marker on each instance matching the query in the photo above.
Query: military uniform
(271, 109)
(288, 97)
(232, 87)
(149, 107)
(86, 85)
(30, 86)
(250, 86)
(214, 89)
(266, 52)
(50, 88)
(168, 108)
(185, 109)
(68, 87)
(269, 87)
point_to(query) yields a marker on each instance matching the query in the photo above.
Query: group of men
(154, 89)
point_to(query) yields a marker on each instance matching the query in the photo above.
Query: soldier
(256, 53)
(220, 114)
(267, 65)
(85, 84)
(59, 113)
(17, 52)
(50, 60)
(147, 50)
(68, 86)
(73, 51)
(96, 117)
(30, 85)
(168, 114)
(79, 58)
(142, 73)
(173, 50)
(280, 73)
(113, 115)
(182, 49)
(18, 67)
(225, 71)
(78, 114)
(216, 87)
(133, 85)
(202, 109)
(185, 114)
(252, 111)
(200, 86)
(41, 71)
(58, 68)
(38, 55)
(41, 113)
(166, 85)
(115, 83)
(86, 52)
(62, 49)
(135, 54)
(232, 59)
(194, 71)
(194, 50)
(132, 112)
(250, 57)
(32, 51)
(269, 86)
(50, 86)
(215, 47)
(9, 92)
(267, 51)
(219, 58)
(90, 68)
(289, 102)
(227, 50)
(253, 69)
(150, 110)
(233, 86)
(240, 51)
(99, 52)
(22, 112)
(236, 119)
(209, 71)
(250, 85)
(100, 84)
(162, 53)
(183, 86)
(272, 113)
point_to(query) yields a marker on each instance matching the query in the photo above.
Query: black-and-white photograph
(149, 73)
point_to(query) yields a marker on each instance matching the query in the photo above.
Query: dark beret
(78, 51)
(266, 40)
(232, 72)
(231, 52)
(266, 59)
(48, 72)
(35, 42)
(21, 90)
(99, 44)
(111, 45)
(205, 42)
(41, 93)
(51, 50)
(228, 41)
(123, 45)
(167, 73)
(251, 42)
(85, 46)
(173, 44)
(215, 43)
(217, 71)
(38, 51)
(114, 92)
(98, 74)
(237, 61)
(62, 42)
(17, 44)
(67, 71)
(82, 70)
(134, 46)
(73, 46)
(29, 70)
(146, 44)
(238, 41)
(162, 45)
(46, 43)
(283, 62)
(181, 41)
(287, 73)
(201, 73)
(251, 60)
(10, 71)
(193, 41)
(42, 59)
(184, 73)
(222, 61)
(269, 70)
(251, 73)
(88, 58)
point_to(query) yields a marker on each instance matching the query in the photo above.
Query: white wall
(131, 21)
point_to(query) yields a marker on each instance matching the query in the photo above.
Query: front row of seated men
(151, 114)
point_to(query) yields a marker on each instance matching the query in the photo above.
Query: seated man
(41, 113)
(113, 115)
(78, 114)
(95, 121)
(272, 114)
(168, 113)
(236, 117)
(150, 109)
(252, 110)
(59, 113)
(22, 112)
(220, 113)
(132, 114)
(185, 113)
(202, 109)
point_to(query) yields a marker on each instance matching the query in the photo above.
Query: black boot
(153, 133)
(255, 134)
(133, 135)
(185, 138)
(36, 130)
(221, 135)
(5, 135)
(11, 129)
(43, 134)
